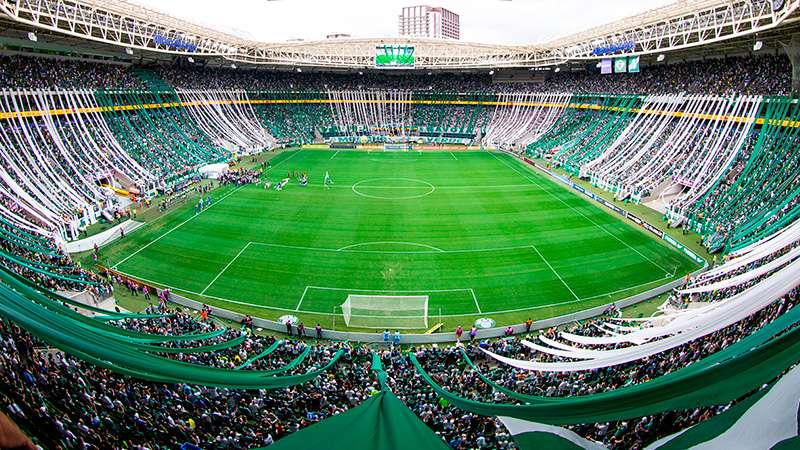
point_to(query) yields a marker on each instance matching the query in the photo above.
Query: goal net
(386, 311)
(397, 147)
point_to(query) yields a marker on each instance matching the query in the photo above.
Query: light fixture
(430, 73)
(32, 36)
(491, 72)
(599, 65)
(233, 66)
(660, 57)
(299, 70)
(558, 69)
(129, 50)
(757, 46)
(190, 59)
(359, 72)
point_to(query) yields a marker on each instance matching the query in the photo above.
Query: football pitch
(479, 233)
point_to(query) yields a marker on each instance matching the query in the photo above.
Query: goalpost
(397, 147)
(386, 311)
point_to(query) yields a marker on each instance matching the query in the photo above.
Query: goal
(397, 147)
(386, 311)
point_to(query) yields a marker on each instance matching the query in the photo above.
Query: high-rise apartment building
(429, 22)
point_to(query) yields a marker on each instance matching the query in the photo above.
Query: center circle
(385, 189)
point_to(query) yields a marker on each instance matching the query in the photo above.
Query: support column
(792, 50)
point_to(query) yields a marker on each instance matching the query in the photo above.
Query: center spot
(393, 188)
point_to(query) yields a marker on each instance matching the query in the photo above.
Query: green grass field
(480, 233)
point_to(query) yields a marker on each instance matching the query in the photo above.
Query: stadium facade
(162, 204)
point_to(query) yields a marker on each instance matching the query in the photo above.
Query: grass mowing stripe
(175, 228)
(303, 237)
(666, 272)
(193, 217)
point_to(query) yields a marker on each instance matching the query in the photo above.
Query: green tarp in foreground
(382, 422)
(719, 378)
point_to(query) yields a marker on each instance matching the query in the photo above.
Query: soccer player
(328, 182)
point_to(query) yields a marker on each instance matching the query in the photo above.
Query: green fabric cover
(713, 427)
(114, 349)
(382, 422)
(754, 360)
(266, 352)
(541, 441)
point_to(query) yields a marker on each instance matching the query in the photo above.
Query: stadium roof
(683, 25)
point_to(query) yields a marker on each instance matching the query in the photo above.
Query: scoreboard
(394, 56)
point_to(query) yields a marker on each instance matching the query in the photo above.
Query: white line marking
(554, 271)
(275, 308)
(114, 267)
(390, 252)
(301, 299)
(582, 214)
(437, 249)
(334, 155)
(475, 299)
(454, 156)
(404, 197)
(399, 291)
(225, 268)
(175, 228)
(470, 188)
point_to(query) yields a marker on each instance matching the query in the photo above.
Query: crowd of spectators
(26, 72)
(766, 74)
(745, 75)
(749, 75)
(759, 191)
(39, 260)
(65, 402)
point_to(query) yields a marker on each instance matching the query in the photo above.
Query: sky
(485, 21)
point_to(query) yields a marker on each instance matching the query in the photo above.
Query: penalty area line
(301, 299)
(554, 271)
(276, 308)
(526, 176)
(475, 299)
(226, 267)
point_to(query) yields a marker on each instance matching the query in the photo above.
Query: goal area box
(397, 147)
(386, 311)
